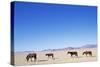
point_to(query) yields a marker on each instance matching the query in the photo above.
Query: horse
(31, 56)
(73, 53)
(50, 55)
(87, 53)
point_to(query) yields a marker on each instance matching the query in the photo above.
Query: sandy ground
(60, 56)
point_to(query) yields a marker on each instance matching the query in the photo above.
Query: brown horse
(73, 53)
(50, 55)
(87, 53)
(31, 56)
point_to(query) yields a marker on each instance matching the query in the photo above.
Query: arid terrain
(60, 56)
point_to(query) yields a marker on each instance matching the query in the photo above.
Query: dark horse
(31, 56)
(50, 55)
(87, 53)
(73, 53)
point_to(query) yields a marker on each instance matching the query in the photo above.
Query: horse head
(68, 52)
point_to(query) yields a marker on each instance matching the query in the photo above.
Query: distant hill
(66, 48)
(85, 46)
(89, 46)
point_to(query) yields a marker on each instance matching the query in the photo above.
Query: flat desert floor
(60, 56)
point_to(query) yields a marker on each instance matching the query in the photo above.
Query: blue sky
(41, 26)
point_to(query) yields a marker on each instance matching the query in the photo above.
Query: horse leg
(91, 54)
(31, 60)
(53, 57)
(76, 55)
(48, 57)
(27, 58)
(71, 55)
(86, 55)
(34, 59)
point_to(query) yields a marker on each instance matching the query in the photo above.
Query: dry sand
(60, 56)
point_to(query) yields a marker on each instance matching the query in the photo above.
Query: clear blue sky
(47, 26)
